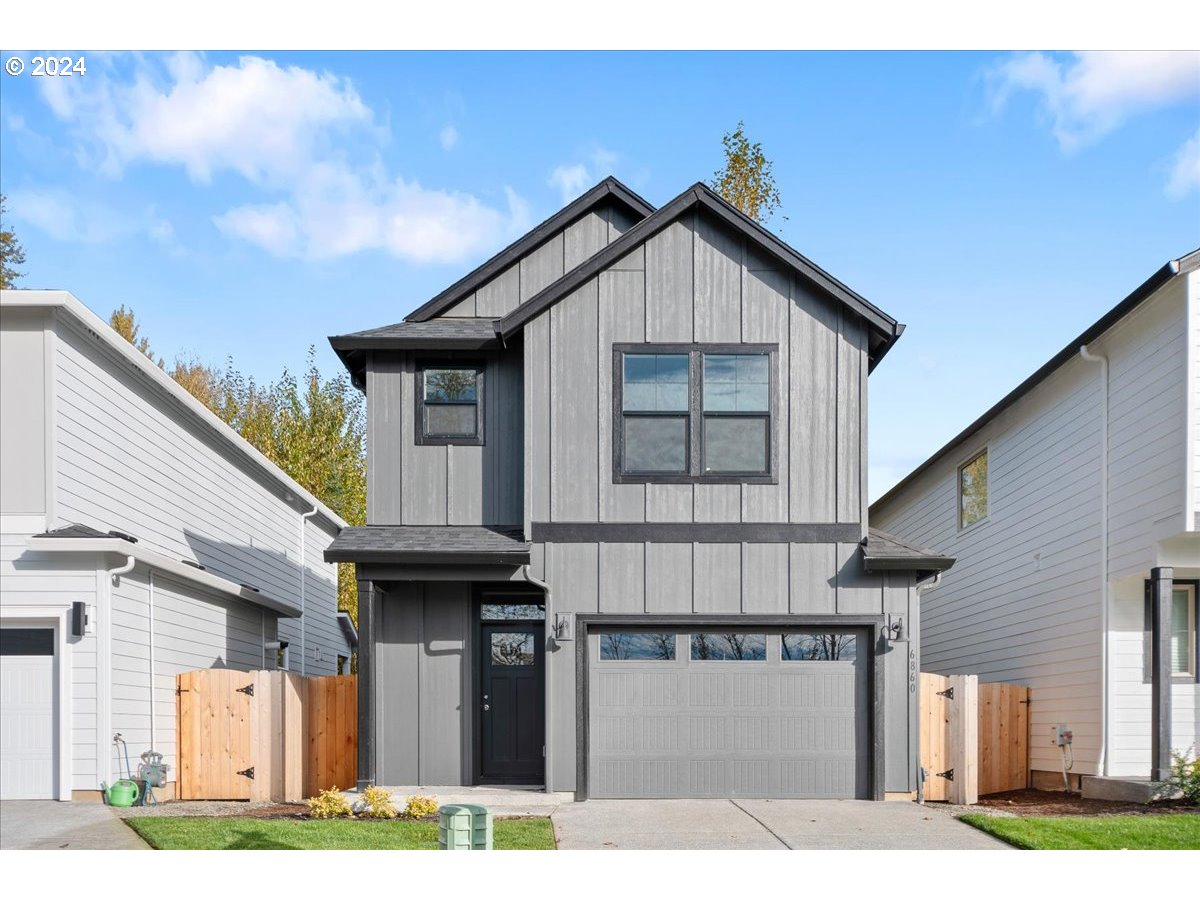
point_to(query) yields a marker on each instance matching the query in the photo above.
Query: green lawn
(1151, 832)
(213, 833)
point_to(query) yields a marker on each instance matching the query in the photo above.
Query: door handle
(486, 707)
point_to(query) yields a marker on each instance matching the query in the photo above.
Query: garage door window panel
(818, 647)
(632, 646)
(736, 647)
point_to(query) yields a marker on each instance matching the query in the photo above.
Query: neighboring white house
(1059, 503)
(140, 537)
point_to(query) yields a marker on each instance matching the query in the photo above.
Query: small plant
(1184, 778)
(419, 807)
(330, 804)
(376, 803)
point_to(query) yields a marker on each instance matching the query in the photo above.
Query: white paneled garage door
(711, 712)
(27, 727)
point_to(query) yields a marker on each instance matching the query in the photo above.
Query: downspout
(304, 517)
(150, 617)
(1085, 354)
(548, 776)
(104, 674)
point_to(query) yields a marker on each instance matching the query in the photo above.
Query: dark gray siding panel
(424, 689)
(669, 578)
(431, 484)
(622, 320)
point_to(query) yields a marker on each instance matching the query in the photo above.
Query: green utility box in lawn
(464, 826)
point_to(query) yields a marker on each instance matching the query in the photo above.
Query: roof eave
(427, 557)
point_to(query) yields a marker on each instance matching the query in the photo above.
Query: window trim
(421, 438)
(985, 450)
(695, 414)
(1192, 677)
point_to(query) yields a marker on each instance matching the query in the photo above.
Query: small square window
(449, 405)
(512, 649)
(973, 490)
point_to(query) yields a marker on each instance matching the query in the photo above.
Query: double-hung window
(450, 404)
(693, 413)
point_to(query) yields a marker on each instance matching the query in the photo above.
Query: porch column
(1160, 668)
(367, 596)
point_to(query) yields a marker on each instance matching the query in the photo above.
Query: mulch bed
(1054, 803)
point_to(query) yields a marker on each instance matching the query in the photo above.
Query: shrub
(376, 803)
(419, 807)
(330, 804)
(1185, 777)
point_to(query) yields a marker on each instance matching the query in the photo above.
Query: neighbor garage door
(27, 714)
(720, 713)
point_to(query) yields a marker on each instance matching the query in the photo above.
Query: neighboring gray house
(140, 537)
(617, 539)
(1073, 509)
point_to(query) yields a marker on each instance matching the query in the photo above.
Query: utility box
(465, 826)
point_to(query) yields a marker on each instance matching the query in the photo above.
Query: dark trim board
(694, 533)
(871, 626)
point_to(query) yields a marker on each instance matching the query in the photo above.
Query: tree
(12, 254)
(746, 180)
(124, 323)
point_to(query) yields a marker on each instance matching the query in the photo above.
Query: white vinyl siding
(1023, 601)
(37, 580)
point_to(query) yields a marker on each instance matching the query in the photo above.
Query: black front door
(512, 702)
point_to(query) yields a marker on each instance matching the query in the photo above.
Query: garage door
(719, 713)
(27, 714)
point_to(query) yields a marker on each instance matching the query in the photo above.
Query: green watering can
(123, 793)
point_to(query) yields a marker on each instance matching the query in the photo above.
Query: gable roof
(884, 329)
(608, 190)
(172, 393)
(1186, 263)
(436, 334)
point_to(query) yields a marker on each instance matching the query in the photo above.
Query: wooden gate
(264, 735)
(974, 737)
(214, 726)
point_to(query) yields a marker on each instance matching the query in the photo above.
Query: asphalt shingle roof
(884, 552)
(428, 544)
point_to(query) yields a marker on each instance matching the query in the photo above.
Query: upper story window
(686, 413)
(973, 490)
(450, 404)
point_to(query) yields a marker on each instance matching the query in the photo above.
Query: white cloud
(572, 179)
(66, 217)
(1185, 171)
(448, 137)
(305, 139)
(1087, 95)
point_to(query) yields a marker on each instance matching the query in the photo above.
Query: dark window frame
(436, 440)
(1148, 633)
(695, 414)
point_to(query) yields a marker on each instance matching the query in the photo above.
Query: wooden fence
(974, 737)
(264, 735)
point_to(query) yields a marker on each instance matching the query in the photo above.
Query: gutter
(1100, 358)
(163, 563)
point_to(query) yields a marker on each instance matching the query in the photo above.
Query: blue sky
(249, 205)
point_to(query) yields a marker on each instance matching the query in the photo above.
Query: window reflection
(512, 649)
(819, 646)
(630, 645)
(751, 647)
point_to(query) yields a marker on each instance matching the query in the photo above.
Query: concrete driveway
(51, 825)
(762, 825)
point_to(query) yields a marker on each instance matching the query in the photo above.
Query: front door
(512, 702)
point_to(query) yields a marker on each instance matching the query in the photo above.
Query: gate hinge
(248, 690)
(948, 693)
(249, 773)
(948, 775)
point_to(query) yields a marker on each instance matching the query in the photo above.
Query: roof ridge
(608, 186)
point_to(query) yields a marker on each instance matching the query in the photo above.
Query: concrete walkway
(51, 825)
(762, 825)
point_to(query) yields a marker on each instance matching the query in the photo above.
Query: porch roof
(429, 544)
(883, 552)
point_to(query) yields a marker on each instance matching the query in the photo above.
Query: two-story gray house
(617, 506)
